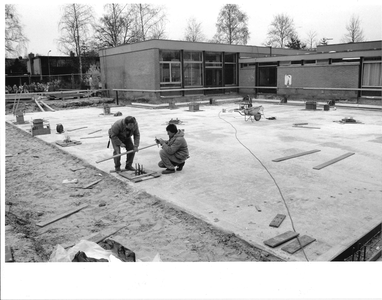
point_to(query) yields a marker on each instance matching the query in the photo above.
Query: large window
(193, 68)
(372, 74)
(372, 78)
(230, 72)
(170, 71)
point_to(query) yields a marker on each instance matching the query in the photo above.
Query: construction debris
(348, 120)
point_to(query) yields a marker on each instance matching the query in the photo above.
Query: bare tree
(354, 31)
(74, 24)
(311, 41)
(282, 29)
(115, 26)
(193, 32)
(149, 22)
(15, 40)
(232, 26)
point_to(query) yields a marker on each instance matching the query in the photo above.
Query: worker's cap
(129, 119)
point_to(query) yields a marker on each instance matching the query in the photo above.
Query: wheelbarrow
(252, 113)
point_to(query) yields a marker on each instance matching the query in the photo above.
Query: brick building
(156, 69)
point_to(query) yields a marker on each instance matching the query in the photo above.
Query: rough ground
(34, 192)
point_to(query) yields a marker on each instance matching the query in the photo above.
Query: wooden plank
(277, 220)
(147, 178)
(281, 239)
(38, 104)
(98, 237)
(138, 178)
(95, 131)
(91, 184)
(76, 169)
(68, 144)
(122, 170)
(77, 128)
(295, 245)
(330, 162)
(295, 155)
(91, 137)
(310, 127)
(296, 124)
(47, 105)
(60, 216)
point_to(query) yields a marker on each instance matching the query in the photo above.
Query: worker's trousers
(168, 160)
(117, 150)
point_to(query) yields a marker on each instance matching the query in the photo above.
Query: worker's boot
(129, 168)
(180, 166)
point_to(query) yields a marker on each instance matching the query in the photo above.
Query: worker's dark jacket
(119, 134)
(177, 146)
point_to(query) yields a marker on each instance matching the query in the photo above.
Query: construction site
(294, 181)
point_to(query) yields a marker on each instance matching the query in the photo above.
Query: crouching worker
(174, 151)
(120, 135)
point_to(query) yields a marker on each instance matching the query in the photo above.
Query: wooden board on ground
(60, 216)
(95, 131)
(281, 239)
(76, 169)
(310, 127)
(138, 178)
(277, 220)
(319, 167)
(295, 155)
(91, 184)
(294, 246)
(68, 144)
(77, 128)
(98, 237)
(122, 170)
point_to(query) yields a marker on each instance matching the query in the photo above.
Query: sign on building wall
(288, 80)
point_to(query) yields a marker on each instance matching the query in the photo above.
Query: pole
(49, 66)
(131, 151)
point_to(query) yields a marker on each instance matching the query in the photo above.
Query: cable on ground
(274, 180)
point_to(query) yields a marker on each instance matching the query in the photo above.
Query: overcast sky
(327, 18)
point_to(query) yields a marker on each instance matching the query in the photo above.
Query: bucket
(106, 110)
(326, 107)
(38, 123)
(20, 119)
(310, 105)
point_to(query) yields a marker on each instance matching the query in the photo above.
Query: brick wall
(319, 76)
(134, 70)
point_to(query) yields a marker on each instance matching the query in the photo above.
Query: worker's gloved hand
(161, 142)
(135, 149)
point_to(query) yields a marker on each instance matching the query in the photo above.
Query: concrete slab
(231, 171)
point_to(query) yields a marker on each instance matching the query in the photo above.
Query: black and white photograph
(192, 150)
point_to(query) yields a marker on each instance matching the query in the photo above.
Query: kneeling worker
(120, 135)
(174, 151)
